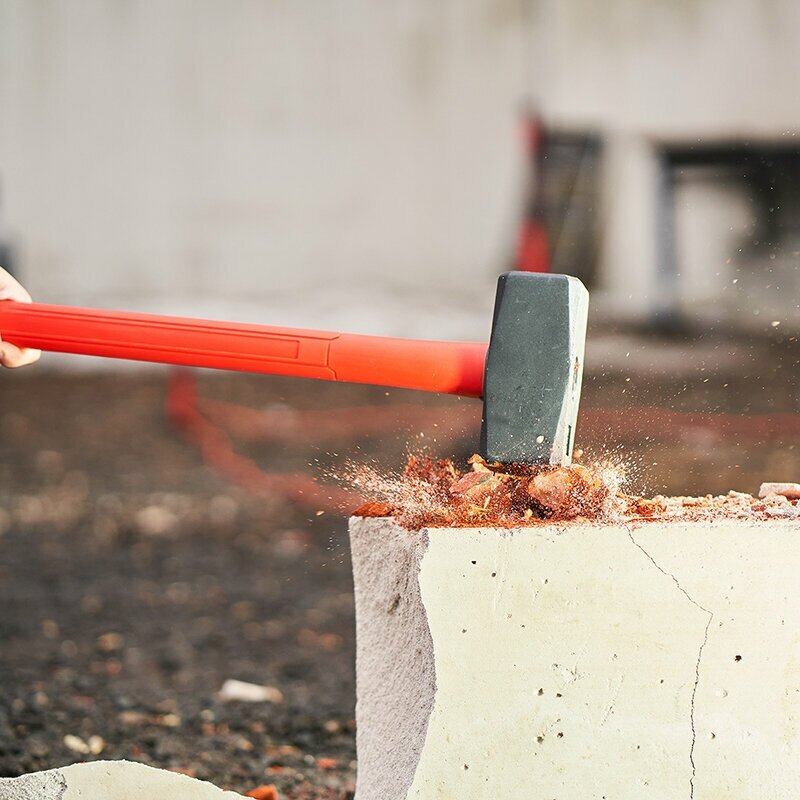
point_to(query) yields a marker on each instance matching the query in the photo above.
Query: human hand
(10, 354)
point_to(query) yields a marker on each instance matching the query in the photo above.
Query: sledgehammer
(529, 376)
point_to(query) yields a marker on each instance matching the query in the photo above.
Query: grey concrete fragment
(395, 674)
(49, 785)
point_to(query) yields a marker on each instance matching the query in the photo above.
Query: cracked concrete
(746, 699)
(567, 663)
(699, 655)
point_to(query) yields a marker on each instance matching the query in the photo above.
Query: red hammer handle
(452, 367)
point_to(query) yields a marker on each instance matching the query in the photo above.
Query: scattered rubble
(434, 493)
(233, 690)
(791, 491)
(734, 505)
(76, 744)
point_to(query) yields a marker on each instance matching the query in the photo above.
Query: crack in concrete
(699, 653)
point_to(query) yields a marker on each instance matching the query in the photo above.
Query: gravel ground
(134, 580)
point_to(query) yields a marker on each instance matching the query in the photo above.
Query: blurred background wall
(695, 103)
(358, 165)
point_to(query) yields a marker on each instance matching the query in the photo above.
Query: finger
(12, 289)
(12, 356)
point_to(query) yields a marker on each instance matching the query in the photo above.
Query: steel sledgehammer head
(534, 367)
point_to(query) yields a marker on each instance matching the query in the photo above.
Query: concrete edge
(110, 780)
(395, 667)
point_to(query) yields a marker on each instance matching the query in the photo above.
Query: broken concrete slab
(109, 780)
(657, 659)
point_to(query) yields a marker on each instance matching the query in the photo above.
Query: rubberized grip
(450, 367)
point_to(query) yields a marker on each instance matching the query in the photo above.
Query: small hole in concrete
(737, 658)
(466, 766)
(463, 630)
(540, 692)
(560, 735)
(474, 562)
(494, 574)
(558, 694)
(540, 738)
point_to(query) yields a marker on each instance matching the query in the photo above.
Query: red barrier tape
(217, 451)
(212, 425)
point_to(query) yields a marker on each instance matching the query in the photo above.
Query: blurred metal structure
(533, 238)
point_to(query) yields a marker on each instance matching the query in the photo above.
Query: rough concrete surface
(109, 780)
(48, 785)
(395, 676)
(648, 661)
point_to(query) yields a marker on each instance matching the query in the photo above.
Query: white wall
(671, 69)
(277, 160)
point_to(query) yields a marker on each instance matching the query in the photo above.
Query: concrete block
(627, 661)
(109, 780)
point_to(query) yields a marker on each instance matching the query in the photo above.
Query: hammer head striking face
(534, 367)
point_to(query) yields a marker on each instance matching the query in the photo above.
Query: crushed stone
(435, 493)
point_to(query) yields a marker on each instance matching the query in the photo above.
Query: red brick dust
(435, 493)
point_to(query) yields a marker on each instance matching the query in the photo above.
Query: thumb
(13, 356)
